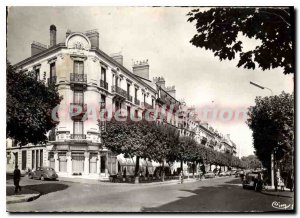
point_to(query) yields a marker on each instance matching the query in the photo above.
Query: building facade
(93, 86)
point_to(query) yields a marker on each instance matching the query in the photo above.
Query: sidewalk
(22, 196)
(107, 183)
(286, 193)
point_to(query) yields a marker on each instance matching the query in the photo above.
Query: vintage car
(250, 180)
(43, 173)
(209, 175)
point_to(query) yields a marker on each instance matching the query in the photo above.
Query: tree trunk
(194, 165)
(137, 170)
(181, 165)
(163, 172)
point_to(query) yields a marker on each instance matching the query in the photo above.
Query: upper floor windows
(103, 74)
(52, 69)
(37, 74)
(78, 67)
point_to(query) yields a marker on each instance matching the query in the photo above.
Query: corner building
(89, 79)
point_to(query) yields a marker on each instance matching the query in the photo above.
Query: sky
(161, 35)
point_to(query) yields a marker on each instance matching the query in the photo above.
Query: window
(78, 67)
(78, 97)
(135, 93)
(13, 143)
(37, 73)
(136, 113)
(103, 74)
(78, 127)
(128, 89)
(144, 98)
(128, 111)
(52, 70)
(152, 103)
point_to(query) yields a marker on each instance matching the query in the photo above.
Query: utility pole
(272, 153)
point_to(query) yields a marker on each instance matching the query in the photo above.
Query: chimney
(117, 57)
(93, 36)
(141, 69)
(37, 47)
(171, 90)
(52, 35)
(160, 81)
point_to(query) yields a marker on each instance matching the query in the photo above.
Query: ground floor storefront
(87, 160)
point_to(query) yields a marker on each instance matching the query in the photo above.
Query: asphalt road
(214, 195)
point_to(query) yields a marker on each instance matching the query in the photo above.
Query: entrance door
(62, 162)
(78, 162)
(51, 160)
(93, 162)
(16, 158)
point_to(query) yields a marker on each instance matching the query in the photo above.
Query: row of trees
(161, 143)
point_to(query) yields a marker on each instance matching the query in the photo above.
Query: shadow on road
(47, 188)
(220, 198)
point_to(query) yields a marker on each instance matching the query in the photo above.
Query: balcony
(78, 78)
(103, 84)
(129, 98)
(147, 106)
(51, 80)
(77, 110)
(78, 136)
(119, 91)
(136, 101)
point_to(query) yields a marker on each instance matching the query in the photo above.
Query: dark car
(250, 180)
(43, 173)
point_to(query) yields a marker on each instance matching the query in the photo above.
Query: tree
(251, 161)
(29, 104)
(272, 123)
(143, 139)
(218, 30)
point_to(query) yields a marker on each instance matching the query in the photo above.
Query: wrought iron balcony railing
(78, 136)
(147, 106)
(51, 80)
(78, 78)
(129, 98)
(136, 101)
(103, 84)
(121, 92)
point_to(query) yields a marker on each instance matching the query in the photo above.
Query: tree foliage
(272, 123)
(29, 104)
(218, 30)
(251, 162)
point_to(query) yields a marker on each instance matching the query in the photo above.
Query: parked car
(222, 173)
(43, 173)
(209, 175)
(249, 181)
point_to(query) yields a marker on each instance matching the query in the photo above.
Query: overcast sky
(162, 36)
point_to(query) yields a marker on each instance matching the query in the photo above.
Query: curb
(24, 199)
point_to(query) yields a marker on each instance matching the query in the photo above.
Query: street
(215, 195)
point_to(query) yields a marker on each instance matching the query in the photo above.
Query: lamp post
(272, 153)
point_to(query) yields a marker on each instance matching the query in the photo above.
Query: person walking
(17, 178)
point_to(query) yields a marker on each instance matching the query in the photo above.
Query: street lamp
(272, 153)
(261, 87)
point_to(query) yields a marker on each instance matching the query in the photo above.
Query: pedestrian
(17, 177)
(181, 176)
(281, 183)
